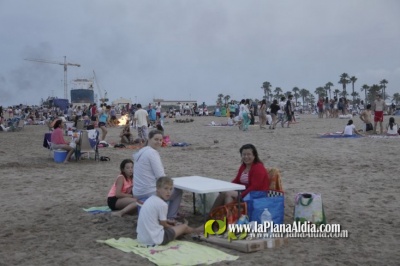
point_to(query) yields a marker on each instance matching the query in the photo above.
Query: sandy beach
(42, 221)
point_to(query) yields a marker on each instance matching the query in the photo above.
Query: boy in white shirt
(153, 227)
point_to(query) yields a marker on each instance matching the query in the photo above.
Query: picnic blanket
(337, 135)
(383, 137)
(95, 210)
(174, 253)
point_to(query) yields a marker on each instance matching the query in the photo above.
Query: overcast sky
(178, 50)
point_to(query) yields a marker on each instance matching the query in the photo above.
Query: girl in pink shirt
(120, 196)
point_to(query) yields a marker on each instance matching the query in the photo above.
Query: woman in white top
(392, 128)
(147, 168)
(350, 129)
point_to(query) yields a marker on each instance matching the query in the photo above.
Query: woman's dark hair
(122, 166)
(283, 98)
(242, 101)
(391, 123)
(253, 149)
(57, 123)
(263, 101)
(160, 128)
(350, 122)
(275, 101)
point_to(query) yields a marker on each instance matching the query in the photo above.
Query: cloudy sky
(184, 49)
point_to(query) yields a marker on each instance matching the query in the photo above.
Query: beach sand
(42, 221)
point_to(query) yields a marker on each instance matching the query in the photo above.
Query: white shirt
(282, 106)
(158, 108)
(141, 116)
(149, 229)
(147, 168)
(348, 130)
(392, 131)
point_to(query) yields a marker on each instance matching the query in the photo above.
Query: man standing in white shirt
(141, 118)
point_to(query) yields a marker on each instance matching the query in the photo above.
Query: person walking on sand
(379, 107)
(366, 117)
(141, 118)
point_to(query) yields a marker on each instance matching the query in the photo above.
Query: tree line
(369, 91)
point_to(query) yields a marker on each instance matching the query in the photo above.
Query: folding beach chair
(88, 145)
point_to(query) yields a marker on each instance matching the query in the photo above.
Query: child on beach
(350, 129)
(120, 198)
(153, 227)
(392, 128)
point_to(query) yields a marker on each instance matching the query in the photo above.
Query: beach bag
(257, 201)
(309, 208)
(230, 211)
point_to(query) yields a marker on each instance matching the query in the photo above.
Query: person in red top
(58, 141)
(252, 174)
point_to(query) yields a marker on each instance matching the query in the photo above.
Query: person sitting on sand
(153, 226)
(252, 174)
(392, 128)
(120, 195)
(126, 135)
(148, 168)
(350, 129)
(58, 142)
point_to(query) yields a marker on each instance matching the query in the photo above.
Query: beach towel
(180, 144)
(95, 210)
(174, 253)
(383, 137)
(335, 135)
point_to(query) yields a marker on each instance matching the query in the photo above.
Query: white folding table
(203, 185)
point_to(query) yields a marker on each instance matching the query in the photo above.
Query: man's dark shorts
(369, 127)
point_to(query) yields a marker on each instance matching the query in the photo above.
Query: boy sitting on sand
(153, 227)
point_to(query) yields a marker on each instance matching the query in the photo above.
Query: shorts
(378, 117)
(158, 115)
(101, 124)
(368, 127)
(111, 202)
(169, 235)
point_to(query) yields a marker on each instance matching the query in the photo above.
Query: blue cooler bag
(257, 201)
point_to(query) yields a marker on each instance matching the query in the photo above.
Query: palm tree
(336, 93)
(320, 91)
(278, 91)
(220, 96)
(226, 99)
(344, 80)
(353, 80)
(304, 93)
(396, 98)
(373, 91)
(296, 93)
(365, 88)
(328, 88)
(267, 89)
(383, 83)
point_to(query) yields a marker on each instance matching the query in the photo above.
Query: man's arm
(362, 116)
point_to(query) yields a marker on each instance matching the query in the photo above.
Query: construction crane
(65, 64)
(102, 99)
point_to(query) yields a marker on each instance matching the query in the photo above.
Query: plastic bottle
(265, 218)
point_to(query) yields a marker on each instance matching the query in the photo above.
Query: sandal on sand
(104, 158)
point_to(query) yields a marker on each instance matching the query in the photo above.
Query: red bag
(230, 211)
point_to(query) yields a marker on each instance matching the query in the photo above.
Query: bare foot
(118, 214)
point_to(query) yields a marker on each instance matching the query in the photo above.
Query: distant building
(173, 103)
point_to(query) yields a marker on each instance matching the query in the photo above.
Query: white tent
(121, 101)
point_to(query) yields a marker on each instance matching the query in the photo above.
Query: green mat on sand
(175, 253)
